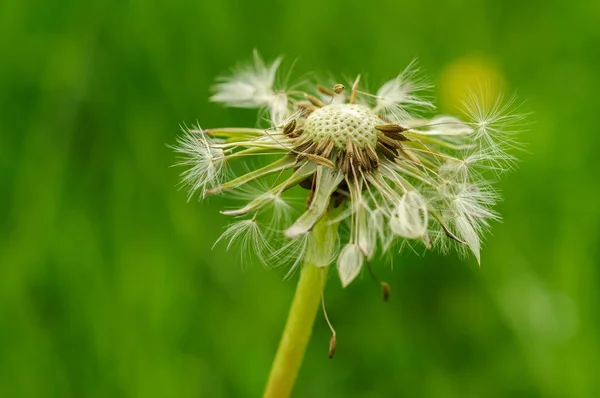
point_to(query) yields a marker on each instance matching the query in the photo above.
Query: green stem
(303, 312)
(296, 334)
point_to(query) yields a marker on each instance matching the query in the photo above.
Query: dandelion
(374, 171)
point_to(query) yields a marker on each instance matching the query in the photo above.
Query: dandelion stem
(301, 318)
(297, 332)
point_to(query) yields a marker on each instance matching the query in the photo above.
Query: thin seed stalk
(301, 316)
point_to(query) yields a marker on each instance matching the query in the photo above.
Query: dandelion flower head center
(343, 122)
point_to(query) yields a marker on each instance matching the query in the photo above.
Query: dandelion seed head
(393, 177)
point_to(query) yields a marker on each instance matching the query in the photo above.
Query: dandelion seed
(250, 236)
(495, 122)
(252, 86)
(397, 97)
(203, 161)
(389, 174)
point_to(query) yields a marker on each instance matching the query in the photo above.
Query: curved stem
(296, 334)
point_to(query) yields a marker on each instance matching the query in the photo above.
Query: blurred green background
(109, 286)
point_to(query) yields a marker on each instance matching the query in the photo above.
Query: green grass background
(109, 286)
